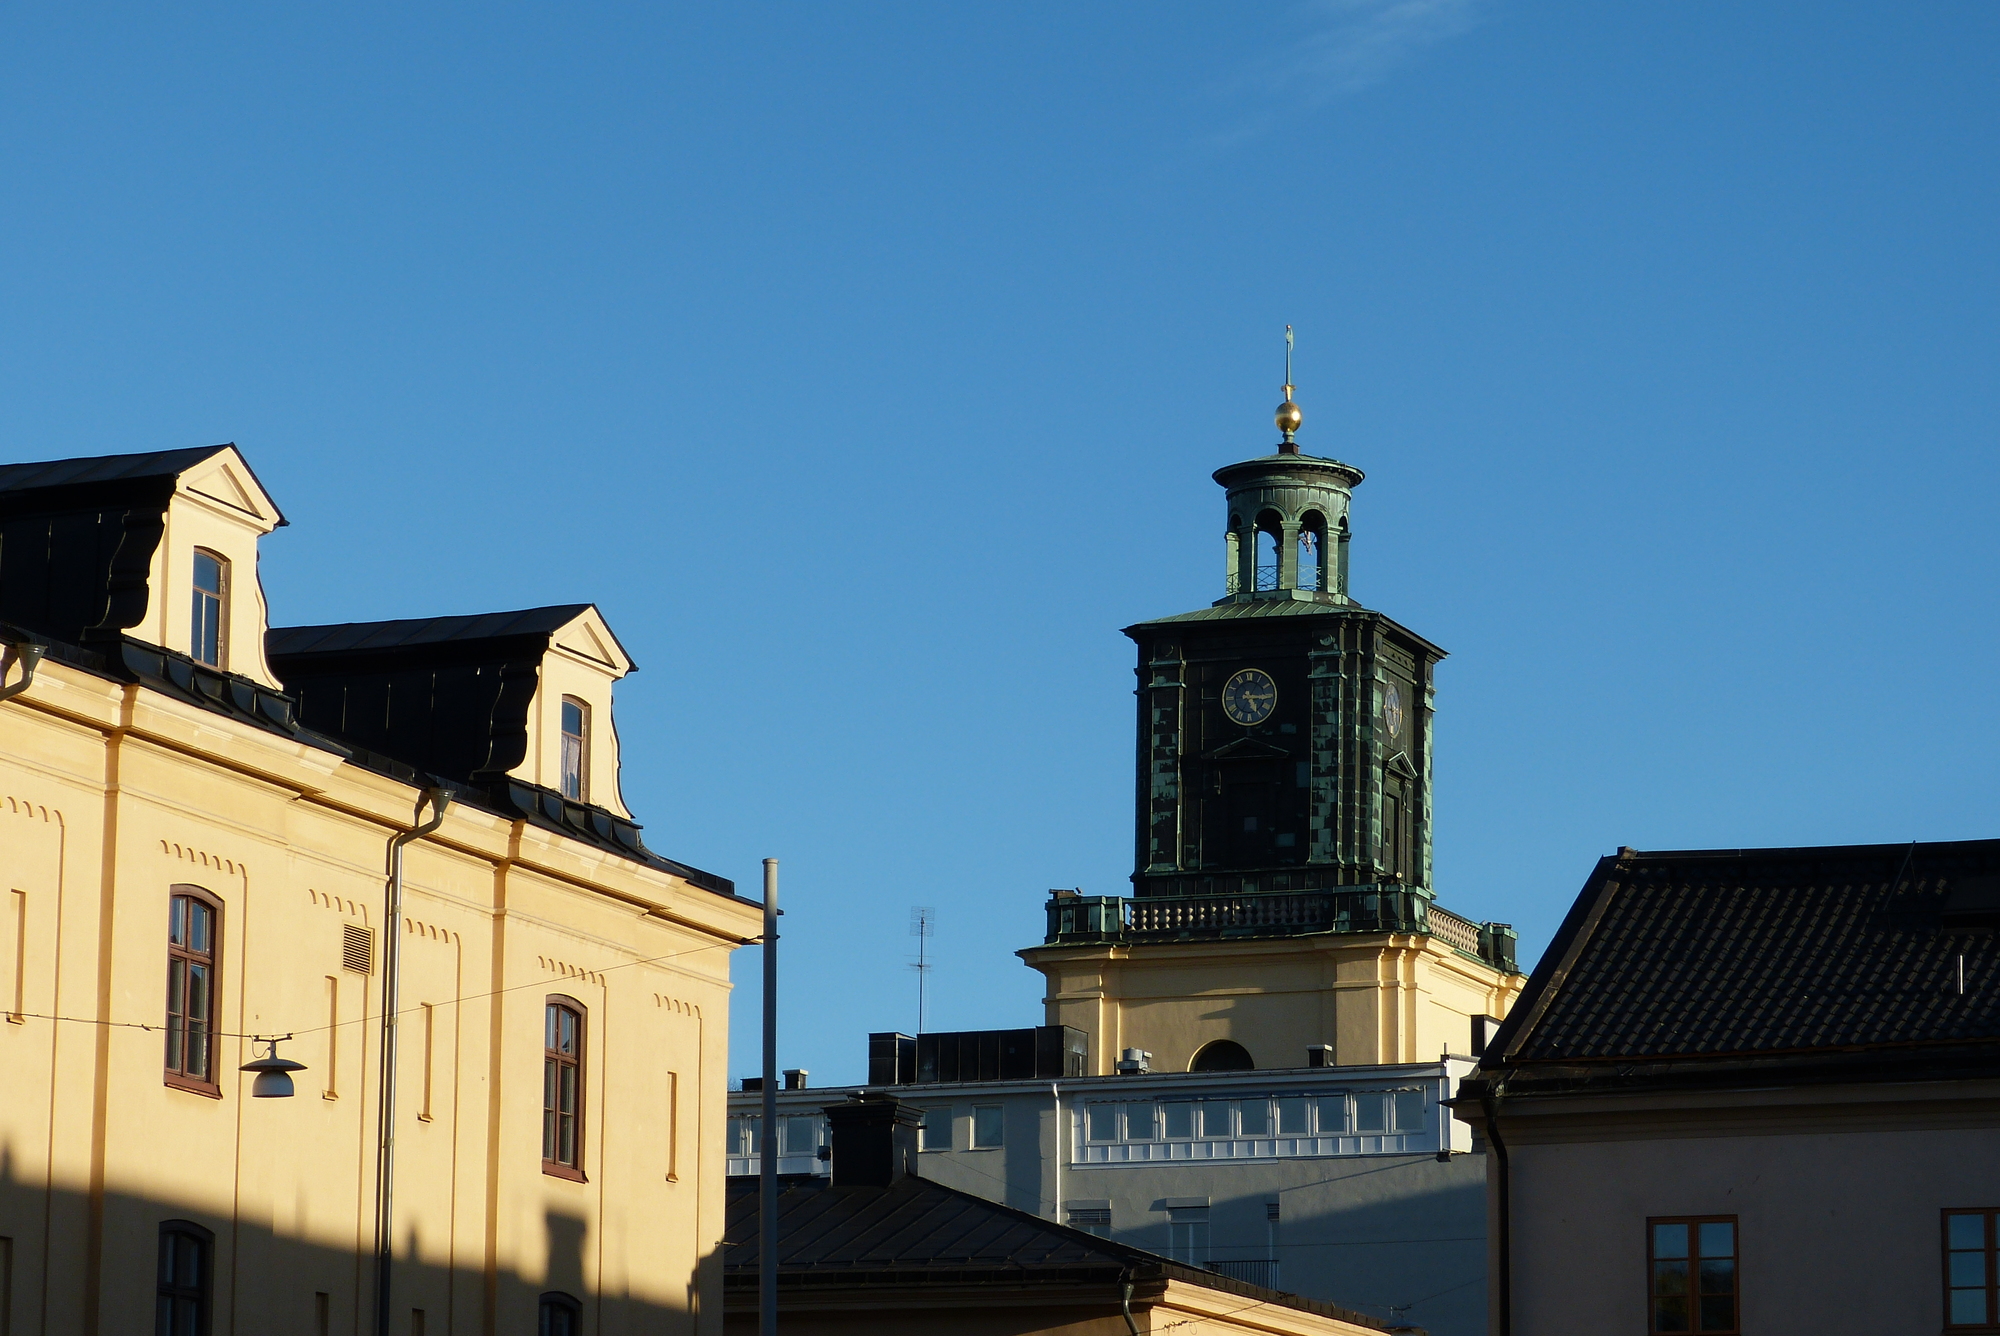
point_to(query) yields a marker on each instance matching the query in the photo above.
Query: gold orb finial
(1289, 417)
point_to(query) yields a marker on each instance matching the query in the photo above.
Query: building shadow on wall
(69, 1270)
(1401, 1238)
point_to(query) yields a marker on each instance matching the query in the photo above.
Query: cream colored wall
(217, 506)
(1378, 998)
(108, 796)
(583, 662)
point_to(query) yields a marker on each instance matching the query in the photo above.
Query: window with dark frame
(186, 1267)
(1972, 1270)
(560, 1315)
(575, 749)
(562, 1088)
(1692, 1281)
(211, 586)
(193, 919)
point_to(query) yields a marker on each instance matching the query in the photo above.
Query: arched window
(184, 1285)
(194, 929)
(210, 627)
(575, 749)
(561, 1315)
(1223, 1055)
(562, 1088)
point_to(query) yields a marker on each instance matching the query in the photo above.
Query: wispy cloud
(1356, 44)
(1346, 46)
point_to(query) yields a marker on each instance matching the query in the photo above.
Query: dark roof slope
(103, 468)
(915, 1232)
(355, 637)
(1756, 954)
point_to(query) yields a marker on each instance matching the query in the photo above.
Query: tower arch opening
(1312, 563)
(1222, 1055)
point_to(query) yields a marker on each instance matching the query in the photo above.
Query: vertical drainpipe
(1504, 1262)
(28, 655)
(1062, 1148)
(385, 1146)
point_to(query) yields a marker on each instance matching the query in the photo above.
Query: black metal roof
(914, 1232)
(103, 468)
(1729, 956)
(352, 637)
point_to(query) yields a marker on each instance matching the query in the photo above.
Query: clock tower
(1281, 912)
(1284, 739)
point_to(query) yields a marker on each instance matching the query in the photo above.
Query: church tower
(1282, 912)
(1285, 731)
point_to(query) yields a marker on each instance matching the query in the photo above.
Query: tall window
(561, 1315)
(1693, 1274)
(1972, 1270)
(988, 1126)
(575, 749)
(934, 1133)
(1187, 1234)
(192, 918)
(181, 1308)
(562, 1088)
(211, 588)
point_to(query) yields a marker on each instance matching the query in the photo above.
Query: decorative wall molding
(675, 1004)
(569, 971)
(34, 811)
(188, 853)
(327, 900)
(430, 930)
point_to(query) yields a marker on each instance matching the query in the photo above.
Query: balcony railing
(1079, 919)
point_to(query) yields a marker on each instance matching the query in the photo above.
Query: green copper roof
(1262, 607)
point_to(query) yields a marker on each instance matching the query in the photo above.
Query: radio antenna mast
(923, 923)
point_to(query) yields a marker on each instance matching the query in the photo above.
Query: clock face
(1249, 696)
(1392, 710)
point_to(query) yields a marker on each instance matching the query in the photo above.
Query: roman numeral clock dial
(1249, 696)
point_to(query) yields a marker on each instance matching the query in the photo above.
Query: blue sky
(866, 365)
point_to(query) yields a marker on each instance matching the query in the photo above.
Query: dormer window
(575, 749)
(211, 586)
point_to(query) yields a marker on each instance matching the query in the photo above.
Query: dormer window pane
(575, 737)
(210, 583)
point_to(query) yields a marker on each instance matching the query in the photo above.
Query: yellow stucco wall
(112, 794)
(1377, 998)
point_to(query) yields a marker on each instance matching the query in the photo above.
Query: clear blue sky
(867, 363)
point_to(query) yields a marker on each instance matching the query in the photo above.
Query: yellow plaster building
(194, 821)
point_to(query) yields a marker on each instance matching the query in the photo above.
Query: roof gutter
(29, 655)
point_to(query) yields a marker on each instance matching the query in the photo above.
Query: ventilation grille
(1270, 1210)
(357, 949)
(1085, 1219)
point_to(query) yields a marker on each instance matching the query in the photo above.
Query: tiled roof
(1758, 953)
(346, 637)
(914, 1232)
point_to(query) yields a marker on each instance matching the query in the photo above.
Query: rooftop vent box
(1972, 902)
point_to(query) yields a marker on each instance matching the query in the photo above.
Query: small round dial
(1392, 710)
(1249, 696)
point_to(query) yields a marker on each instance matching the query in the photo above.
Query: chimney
(795, 1078)
(1319, 1055)
(874, 1141)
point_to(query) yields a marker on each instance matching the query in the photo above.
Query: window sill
(554, 1170)
(207, 1089)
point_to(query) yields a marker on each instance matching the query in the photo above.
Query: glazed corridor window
(561, 1315)
(211, 574)
(575, 748)
(181, 1308)
(562, 1090)
(1971, 1269)
(191, 923)
(1693, 1274)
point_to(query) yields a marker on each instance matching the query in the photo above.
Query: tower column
(1288, 554)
